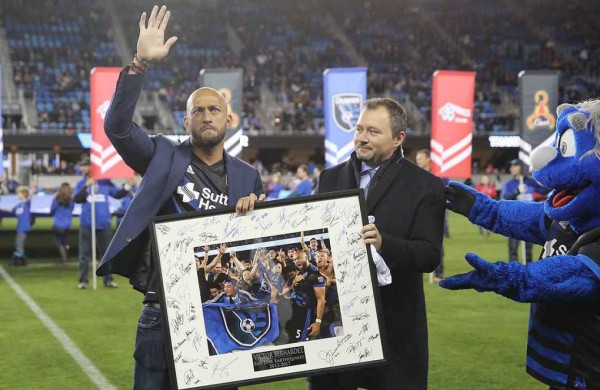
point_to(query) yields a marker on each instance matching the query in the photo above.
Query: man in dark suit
(408, 205)
(195, 175)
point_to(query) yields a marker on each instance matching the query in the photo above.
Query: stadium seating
(287, 45)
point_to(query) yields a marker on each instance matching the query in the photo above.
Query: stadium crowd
(282, 46)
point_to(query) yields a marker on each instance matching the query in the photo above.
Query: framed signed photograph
(286, 290)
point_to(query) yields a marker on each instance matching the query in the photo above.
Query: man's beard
(210, 141)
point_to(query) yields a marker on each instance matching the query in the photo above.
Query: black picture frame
(194, 364)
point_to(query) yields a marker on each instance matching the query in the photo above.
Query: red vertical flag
(451, 123)
(106, 162)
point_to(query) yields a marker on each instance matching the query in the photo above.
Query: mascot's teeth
(564, 197)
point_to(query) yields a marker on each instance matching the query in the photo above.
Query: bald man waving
(194, 175)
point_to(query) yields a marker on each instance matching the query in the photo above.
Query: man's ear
(186, 122)
(229, 120)
(399, 140)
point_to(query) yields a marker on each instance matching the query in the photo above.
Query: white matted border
(176, 237)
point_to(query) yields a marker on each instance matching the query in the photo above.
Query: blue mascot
(563, 348)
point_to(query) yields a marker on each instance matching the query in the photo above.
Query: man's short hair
(230, 281)
(397, 113)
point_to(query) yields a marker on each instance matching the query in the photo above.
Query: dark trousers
(513, 250)
(439, 271)
(103, 238)
(151, 369)
(151, 372)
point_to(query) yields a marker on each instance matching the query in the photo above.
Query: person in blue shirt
(83, 192)
(304, 188)
(524, 189)
(22, 212)
(62, 213)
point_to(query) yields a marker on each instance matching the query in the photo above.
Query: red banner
(451, 123)
(106, 162)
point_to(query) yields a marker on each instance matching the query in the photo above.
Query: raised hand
(151, 45)
(222, 248)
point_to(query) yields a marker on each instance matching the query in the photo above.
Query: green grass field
(476, 341)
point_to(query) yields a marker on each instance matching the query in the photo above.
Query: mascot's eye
(566, 143)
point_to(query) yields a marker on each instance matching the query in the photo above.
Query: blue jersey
(103, 189)
(22, 211)
(304, 188)
(303, 294)
(563, 339)
(62, 215)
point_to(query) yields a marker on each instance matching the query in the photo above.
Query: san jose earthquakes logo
(346, 109)
(247, 325)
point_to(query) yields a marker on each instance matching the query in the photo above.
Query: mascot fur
(563, 348)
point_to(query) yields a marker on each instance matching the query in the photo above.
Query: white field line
(65, 341)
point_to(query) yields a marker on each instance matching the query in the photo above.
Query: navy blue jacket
(162, 163)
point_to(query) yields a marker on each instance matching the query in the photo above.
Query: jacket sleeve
(80, 192)
(422, 251)
(131, 142)
(258, 184)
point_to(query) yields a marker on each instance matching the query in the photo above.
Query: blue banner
(238, 327)
(345, 92)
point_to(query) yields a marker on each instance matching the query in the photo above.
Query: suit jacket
(162, 163)
(408, 204)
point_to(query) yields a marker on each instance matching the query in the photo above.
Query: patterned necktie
(371, 173)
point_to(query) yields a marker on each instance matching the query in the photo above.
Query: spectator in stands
(304, 188)
(274, 186)
(98, 196)
(62, 213)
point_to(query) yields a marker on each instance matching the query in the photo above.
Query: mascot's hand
(557, 279)
(485, 277)
(460, 198)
